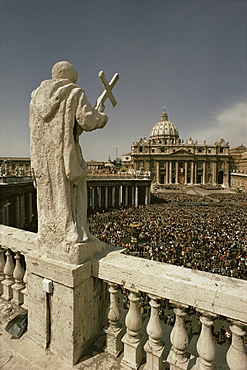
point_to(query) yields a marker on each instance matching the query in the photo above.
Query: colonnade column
(204, 173)
(106, 197)
(30, 207)
(132, 195)
(99, 196)
(126, 195)
(17, 211)
(93, 198)
(113, 196)
(22, 210)
(120, 197)
(136, 196)
(177, 165)
(5, 212)
(167, 172)
(147, 195)
(185, 172)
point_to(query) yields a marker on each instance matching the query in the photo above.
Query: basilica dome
(164, 128)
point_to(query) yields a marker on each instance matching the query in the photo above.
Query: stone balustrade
(141, 338)
(210, 295)
(12, 272)
(14, 245)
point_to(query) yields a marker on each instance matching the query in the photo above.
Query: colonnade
(18, 205)
(192, 172)
(114, 195)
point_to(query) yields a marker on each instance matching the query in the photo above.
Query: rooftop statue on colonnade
(59, 113)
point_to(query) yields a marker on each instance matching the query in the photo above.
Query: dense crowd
(199, 235)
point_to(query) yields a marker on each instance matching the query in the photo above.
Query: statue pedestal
(67, 311)
(79, 253)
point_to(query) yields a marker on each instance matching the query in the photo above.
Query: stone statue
(21, 171)
(59, 113)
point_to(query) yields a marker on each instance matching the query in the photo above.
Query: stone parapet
(215, 293)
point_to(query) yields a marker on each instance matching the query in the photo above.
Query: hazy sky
(189, 56)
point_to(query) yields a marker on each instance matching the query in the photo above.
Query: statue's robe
(59, 113)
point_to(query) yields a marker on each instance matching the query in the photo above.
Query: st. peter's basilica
(171, 160)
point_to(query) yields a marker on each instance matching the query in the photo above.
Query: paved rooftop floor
(24, 354)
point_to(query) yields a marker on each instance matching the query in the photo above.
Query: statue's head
(64, 70)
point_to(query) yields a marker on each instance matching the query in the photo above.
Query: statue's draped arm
(87, 117)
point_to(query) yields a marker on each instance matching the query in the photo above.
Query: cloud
(230, 124)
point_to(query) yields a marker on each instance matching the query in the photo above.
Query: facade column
(157, 171)
(204, 172)
(214, 164)
(126, 201)
(185, 172)
(226, 174)
(177, 179)
(192, 172)
(170, 172)
(195, 172)
(106, 196)
(167, 172)
(136, 196)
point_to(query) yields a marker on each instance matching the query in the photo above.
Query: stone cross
(107, 93)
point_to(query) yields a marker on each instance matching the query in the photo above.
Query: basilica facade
(171, 160)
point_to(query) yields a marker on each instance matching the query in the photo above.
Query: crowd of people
(187, 230)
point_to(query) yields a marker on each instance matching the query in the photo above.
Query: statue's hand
(101, 107)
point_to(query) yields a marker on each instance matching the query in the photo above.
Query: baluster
(153, 347)
(205, 345)
(113, 339)
(2, 264)
(25, 291)
(132, 338)
(9, 280)
(236, 356)
(178, 357)
(19, 284)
